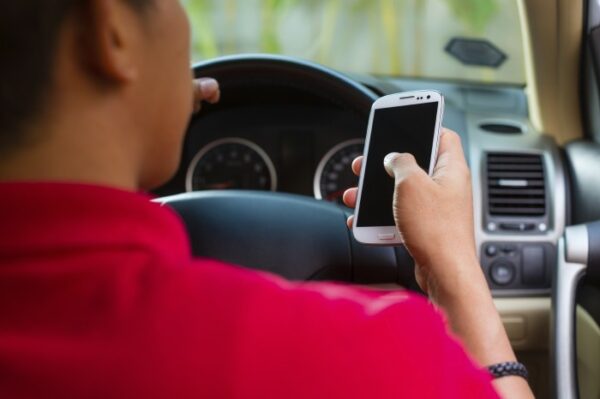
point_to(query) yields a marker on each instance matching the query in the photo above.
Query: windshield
(400, 38)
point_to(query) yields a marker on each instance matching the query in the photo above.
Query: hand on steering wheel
(205, 89)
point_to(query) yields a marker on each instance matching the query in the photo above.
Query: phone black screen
(397, 129)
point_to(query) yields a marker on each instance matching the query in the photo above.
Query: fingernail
(389, 158)
(209, 85)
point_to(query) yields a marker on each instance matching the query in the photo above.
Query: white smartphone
(403, 122)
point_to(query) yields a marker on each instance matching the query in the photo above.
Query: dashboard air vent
(516, 186)
(501, 128)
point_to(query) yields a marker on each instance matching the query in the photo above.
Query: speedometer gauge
(231, 163)
(334, 173)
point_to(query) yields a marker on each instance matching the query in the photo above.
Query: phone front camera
(428, 97)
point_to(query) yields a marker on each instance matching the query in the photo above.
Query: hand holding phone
(435, 215)
(406, 123)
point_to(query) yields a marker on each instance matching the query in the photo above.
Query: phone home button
(387, 237)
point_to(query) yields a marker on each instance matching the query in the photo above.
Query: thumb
(401, 166)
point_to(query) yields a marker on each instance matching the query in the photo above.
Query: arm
(435, 216)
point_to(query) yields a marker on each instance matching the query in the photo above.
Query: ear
(110, 32)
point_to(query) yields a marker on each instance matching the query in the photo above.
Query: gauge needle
(221, 186)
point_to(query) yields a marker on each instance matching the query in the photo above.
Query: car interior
(520, 80)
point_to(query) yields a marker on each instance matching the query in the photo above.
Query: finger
(197, 86)
(211, 90)
(357, 165)
(197, 95)
(205, 89)
(401, 166)
(451, 157)
(350, 197)
(450, 143)
(350, 222)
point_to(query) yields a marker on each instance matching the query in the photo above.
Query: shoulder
(323, 339)
(265, 304)
(317, 297)
(266, 293)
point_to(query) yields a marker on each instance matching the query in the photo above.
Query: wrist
(461, 291)
(455, 280)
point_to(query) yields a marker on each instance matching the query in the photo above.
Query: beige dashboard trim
(527, 322)
(552, 34)
(588, 354)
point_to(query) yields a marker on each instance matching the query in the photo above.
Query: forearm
(473, 317)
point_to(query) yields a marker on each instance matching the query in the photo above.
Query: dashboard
(289, 138)
(293, 148)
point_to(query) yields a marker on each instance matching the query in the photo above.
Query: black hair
(29, 32)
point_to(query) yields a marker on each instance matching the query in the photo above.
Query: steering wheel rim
(240, 71)
(220, 223)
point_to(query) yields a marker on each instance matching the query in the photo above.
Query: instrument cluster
(241, 164)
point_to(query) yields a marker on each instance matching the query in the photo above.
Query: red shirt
(100, 298)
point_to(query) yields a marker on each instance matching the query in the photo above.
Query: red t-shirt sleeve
(324, 340)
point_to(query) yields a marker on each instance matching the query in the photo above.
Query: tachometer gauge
(334, 174)
(231, 163)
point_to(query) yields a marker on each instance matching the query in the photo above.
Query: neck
(82, 148)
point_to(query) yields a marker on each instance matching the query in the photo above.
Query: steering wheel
(297, 237)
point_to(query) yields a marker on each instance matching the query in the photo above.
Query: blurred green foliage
(397, 32)
(475, 14)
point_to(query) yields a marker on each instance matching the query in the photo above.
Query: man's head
(93, 76)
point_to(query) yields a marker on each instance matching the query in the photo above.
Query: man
(99, 296)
